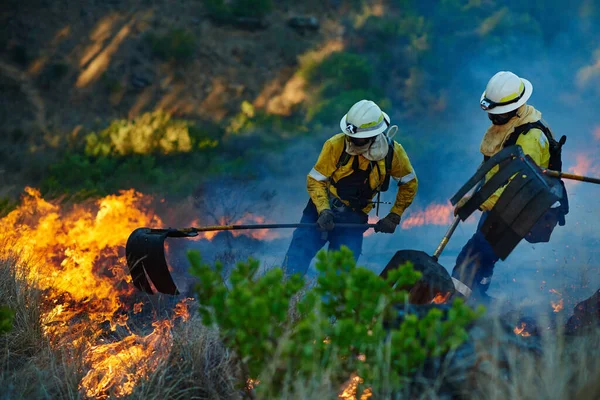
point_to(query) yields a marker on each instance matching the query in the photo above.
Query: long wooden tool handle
(565, 175)
(446, 238)
(268, 226)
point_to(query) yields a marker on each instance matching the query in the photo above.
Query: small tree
(335, 329)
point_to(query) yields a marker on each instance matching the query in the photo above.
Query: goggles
(487, 104)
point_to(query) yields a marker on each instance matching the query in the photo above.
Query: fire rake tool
(145, 251)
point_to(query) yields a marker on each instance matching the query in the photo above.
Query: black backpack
(555, 146)
(345, 157)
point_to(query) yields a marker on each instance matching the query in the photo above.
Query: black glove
(325, 221)
(388, 224)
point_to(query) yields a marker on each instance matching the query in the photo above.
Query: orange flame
(181, 309)
(558, 305)
(521, 330)
(440, 298)
(252, 383)
(122, 364)
(351, 387)
(582, 167)
(434, 214)
(76, 257)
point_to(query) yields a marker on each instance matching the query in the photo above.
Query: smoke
(565, 72)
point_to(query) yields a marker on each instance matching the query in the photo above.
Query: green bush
(336, 83)
(252, 121)
(328, 110)
(342, 70)
(79, 176)
(337, 328)
(150, 133)
(6, 319)
(177, 45)
(222, 11)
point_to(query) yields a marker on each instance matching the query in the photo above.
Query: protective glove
(387, 224)
(461, 204)
(325, 221)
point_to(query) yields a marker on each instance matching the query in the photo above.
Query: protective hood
(496, 135)
(374, 151)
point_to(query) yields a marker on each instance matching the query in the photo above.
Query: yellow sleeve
(408, 184)
(536, 145)
(318, 177)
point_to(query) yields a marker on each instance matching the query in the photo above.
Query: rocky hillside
(66, 64)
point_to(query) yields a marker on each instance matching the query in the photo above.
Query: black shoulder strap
(389, 158)
(344, 157)
(555, 146)
(524, 129)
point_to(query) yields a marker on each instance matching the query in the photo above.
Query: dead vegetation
(198, 366)
(30, 369)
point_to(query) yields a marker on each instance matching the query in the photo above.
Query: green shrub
(222, 11)
(336, 83)
(251, 120)
(6, 319)
(79, 176)
(177, 45)
(150, 133)
(328, 110)
(342, 70)
(336, 329)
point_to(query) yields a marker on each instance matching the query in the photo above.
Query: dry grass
(29, 368)
(565, 367)
(199, 367)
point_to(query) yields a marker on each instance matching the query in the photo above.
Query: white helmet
(505, 92)
(364, 120)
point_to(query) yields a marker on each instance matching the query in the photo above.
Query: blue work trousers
(306, 242)
(475, 263)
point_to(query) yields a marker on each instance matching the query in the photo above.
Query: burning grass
(30, 367)
(81, 332)
(71, 261)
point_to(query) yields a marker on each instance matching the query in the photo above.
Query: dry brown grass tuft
(566, 365)
(198, 367)
(29, 368)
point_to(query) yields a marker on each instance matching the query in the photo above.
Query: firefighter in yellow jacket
(513, 122)
(353, 167)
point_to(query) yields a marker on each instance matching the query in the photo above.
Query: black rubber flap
(503, 155)
(435, 279)
(507, 169)
(145, 253)
(525, 199)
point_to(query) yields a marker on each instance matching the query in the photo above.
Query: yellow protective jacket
(325, 170)
(533, 142)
